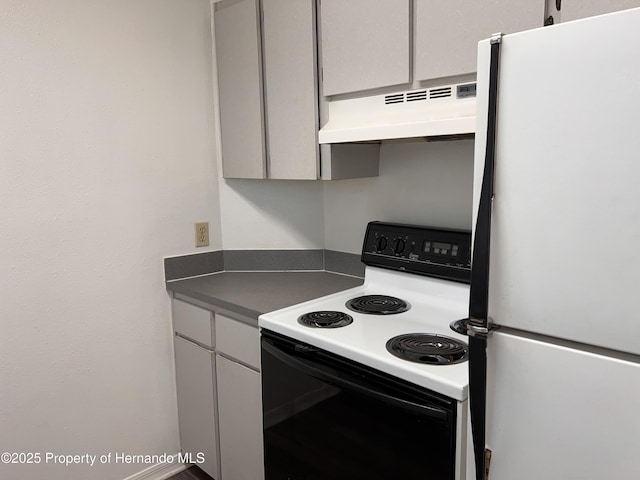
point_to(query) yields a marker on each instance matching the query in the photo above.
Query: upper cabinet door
(290, 85)
(238, 53)
(447, 32)
(574, 9)
(365, 44)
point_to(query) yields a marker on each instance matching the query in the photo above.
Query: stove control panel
(436, 252)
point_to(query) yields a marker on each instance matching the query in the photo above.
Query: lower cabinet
(195, 367)
(240, 421)
(219, 392)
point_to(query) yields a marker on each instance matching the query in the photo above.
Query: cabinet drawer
(238, 340)
(193, 322)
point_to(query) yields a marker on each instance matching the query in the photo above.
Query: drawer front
(193, 322)
(238, 340)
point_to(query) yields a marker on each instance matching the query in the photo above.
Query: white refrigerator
(563, 368)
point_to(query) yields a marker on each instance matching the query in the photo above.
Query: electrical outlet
(202, 234)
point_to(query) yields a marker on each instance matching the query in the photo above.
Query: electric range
(383, 352)
(408, 254)
(434, 304)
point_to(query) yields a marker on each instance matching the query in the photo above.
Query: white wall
(420, 183)
(106, 160)
(272, 214)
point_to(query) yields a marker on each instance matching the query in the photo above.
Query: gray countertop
(247, 295)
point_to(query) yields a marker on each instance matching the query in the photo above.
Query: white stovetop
(434, 304)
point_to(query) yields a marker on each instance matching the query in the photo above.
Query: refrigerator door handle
(478, 327)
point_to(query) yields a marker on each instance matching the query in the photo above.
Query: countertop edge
(233, 310)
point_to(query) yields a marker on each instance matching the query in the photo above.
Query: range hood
(430, 112)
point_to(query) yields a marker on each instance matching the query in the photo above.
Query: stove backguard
(435, 252)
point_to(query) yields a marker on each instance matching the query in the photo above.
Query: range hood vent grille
(440, 92)
(442, 111)
(396, 98)
(416, 96)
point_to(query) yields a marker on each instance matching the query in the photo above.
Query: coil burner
(377, 305)
(325, 319)
(428, 348)
(460, 326)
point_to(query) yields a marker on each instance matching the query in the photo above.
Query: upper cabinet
(368, 45)
(365, 44)
(291, 94)
(447, 32)
(268, 88)
(239, 60)
(574, 9)
(267, 81)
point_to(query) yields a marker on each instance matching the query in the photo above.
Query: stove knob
(398, 245)
(381, 244)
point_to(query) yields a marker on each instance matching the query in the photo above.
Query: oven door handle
(316, 370)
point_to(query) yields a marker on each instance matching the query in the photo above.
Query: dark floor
(191, 473)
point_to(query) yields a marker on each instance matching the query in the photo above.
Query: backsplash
(193, 265)
(422, 183)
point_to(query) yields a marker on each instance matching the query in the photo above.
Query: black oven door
(326, 417)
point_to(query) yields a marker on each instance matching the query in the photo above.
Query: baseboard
(160, 471)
